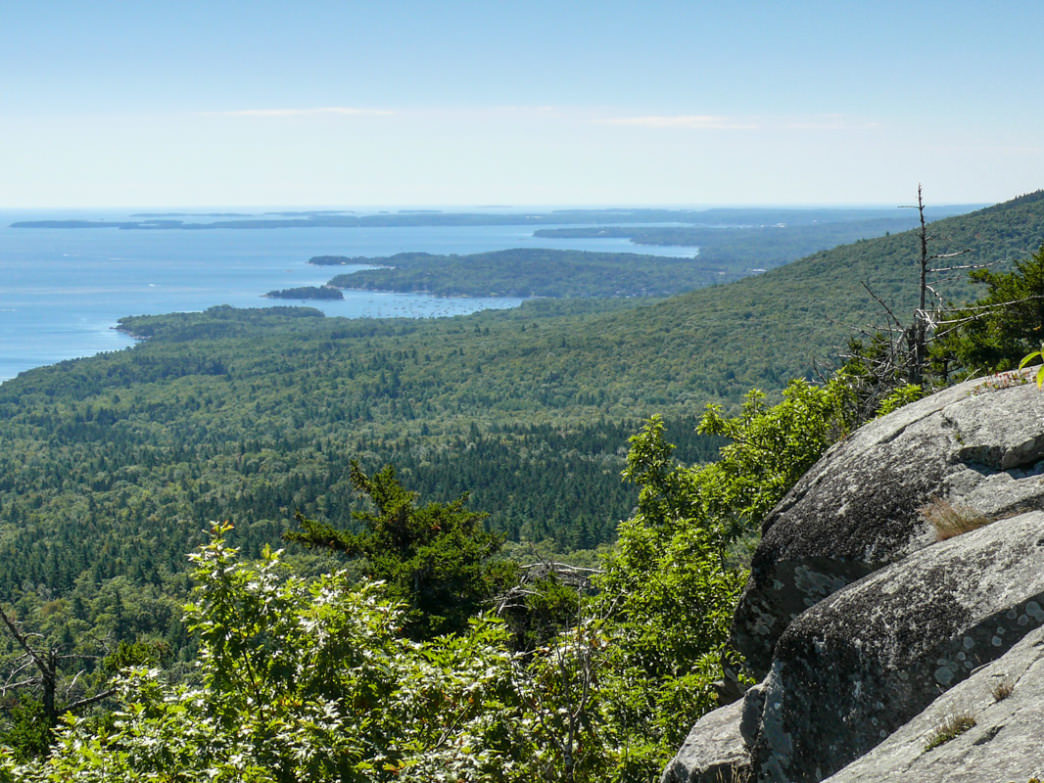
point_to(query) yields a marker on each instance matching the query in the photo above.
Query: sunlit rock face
(977, 447)
(864, 625)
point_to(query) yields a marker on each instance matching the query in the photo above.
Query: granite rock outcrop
(861, 624)
(975, 445)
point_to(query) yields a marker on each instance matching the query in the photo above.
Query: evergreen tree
(437, 558)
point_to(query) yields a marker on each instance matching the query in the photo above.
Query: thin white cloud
(526, 109)
(462, 113)
(493, 112)
(688, 121)
(340, 111)
(830, 122)
(823, 122)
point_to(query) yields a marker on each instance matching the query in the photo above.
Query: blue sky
(362, 103)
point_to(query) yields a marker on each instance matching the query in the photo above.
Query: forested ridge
(114, 467)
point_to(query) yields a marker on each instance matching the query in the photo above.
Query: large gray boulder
(857, 666)
(978, 444)
(1005, 699)
(714, 751)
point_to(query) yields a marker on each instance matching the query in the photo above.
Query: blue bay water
(62, 290)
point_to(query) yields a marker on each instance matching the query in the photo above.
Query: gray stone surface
(861, 663)
(1005, 744)
(979, 444)
(714, 751)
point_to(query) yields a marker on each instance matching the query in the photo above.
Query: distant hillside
(764, 246)
(760, 331)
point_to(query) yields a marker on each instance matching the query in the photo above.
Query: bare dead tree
(558, 691)
(925, 320)
(40, 668)
(574, 577)
(905, 359)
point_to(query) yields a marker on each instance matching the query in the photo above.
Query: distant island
(307, 292)
(341, 260)
(175, 221)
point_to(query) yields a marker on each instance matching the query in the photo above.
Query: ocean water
(62, 290)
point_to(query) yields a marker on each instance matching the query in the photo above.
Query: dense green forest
(114, 467)
(416, 677)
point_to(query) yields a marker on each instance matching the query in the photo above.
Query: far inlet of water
(63, 290)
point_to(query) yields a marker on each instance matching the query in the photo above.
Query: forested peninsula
(222, 432)
(528, 273)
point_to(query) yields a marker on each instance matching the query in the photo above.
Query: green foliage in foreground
(303, 680)
(306, 680)
(679, 560)
(1035, 356)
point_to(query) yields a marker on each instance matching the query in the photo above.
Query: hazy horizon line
(459, 208)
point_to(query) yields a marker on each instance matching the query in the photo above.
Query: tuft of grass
(951, 520)
(953, 725)
(1002, 380)
(1002, 689)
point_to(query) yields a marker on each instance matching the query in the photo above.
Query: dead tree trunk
(47, 660)
(917, 335)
